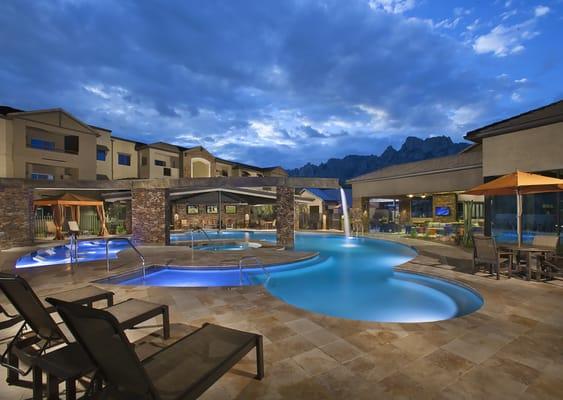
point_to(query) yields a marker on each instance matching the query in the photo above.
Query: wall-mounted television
(442, 211)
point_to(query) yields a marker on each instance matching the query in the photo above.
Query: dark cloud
(248, 78)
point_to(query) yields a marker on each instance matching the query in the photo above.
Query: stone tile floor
(512, 348)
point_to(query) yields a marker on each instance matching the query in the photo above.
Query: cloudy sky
(282, 82)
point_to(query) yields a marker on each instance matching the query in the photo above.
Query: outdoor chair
(37, 341)
(51, 228)
(545, 241)
(86, 295)
(548, 265)
(183, 370)
(485, 252)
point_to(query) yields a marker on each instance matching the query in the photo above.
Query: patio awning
(68, 199)
(518, 183)
(208, 195)
(522, 182)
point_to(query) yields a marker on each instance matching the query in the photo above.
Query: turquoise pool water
(88, 250)
(352, 278)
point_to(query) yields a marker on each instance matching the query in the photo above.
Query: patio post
(285, 217)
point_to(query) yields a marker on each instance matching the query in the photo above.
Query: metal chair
(485, 252)
(184, 370)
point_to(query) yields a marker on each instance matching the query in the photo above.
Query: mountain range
(413, 149)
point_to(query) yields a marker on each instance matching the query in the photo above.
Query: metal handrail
(201, 230)
(123, 239)
(257, 262)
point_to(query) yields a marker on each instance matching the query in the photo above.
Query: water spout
(344, 203)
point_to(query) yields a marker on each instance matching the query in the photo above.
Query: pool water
(227, 246)
(354, 278)
(88, 250)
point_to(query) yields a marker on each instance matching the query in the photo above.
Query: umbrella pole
(519, 217)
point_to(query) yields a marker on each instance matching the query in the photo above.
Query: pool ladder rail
(127, 240)
(192, 231)
(256, 262)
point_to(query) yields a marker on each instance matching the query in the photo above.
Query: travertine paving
(512, 348)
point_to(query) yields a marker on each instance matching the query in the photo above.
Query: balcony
(47, 141)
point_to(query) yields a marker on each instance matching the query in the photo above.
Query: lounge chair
(485, 252)
(183, 370)
(86, 295)
(51, 228)
(33, 348)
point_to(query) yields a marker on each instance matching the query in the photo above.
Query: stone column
(16, 216)
(128, 217)
(285, 220)
(150, 217)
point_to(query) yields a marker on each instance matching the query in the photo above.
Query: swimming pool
(88, 250)
(227, 246)
(354, 278)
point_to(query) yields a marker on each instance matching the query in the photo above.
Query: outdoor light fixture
(410, 196)
(423, 196)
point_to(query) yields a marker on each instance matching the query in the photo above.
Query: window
(212, 210)
(160, 163)
(478, 210)
(421, 208)
(230, 209)
(192, 209)
(167, 172)
(36, 176)
(71, 144)
(101, 155)
(124, 159)
(42, 144)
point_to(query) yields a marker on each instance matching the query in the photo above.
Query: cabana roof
(68, 199)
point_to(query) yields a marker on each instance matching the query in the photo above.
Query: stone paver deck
(512, 348)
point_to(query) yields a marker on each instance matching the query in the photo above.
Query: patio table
(529, 251)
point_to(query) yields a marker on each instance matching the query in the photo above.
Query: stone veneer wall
(150, 217)
(16, 216)
(445, 200)
(285, 218)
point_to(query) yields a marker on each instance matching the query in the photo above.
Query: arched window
(201, 168)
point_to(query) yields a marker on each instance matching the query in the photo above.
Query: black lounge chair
(39, 346)
(184, 370)
(86, 295)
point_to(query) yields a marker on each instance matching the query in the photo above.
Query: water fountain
(344, 203)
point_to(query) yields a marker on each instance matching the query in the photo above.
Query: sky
(282, 82)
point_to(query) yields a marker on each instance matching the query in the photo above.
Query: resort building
(422, 194)
(427, 196)
(54, 145)
(323, 209)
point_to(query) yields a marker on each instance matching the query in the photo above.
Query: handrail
(123, 239)
(203, 231)
(257, 262)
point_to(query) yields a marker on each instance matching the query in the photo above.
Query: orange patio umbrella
(518, 183)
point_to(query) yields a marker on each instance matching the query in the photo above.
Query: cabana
(74, 201)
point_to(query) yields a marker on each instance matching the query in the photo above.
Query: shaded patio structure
(151, 202)
(518, 184)
(74, 202)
